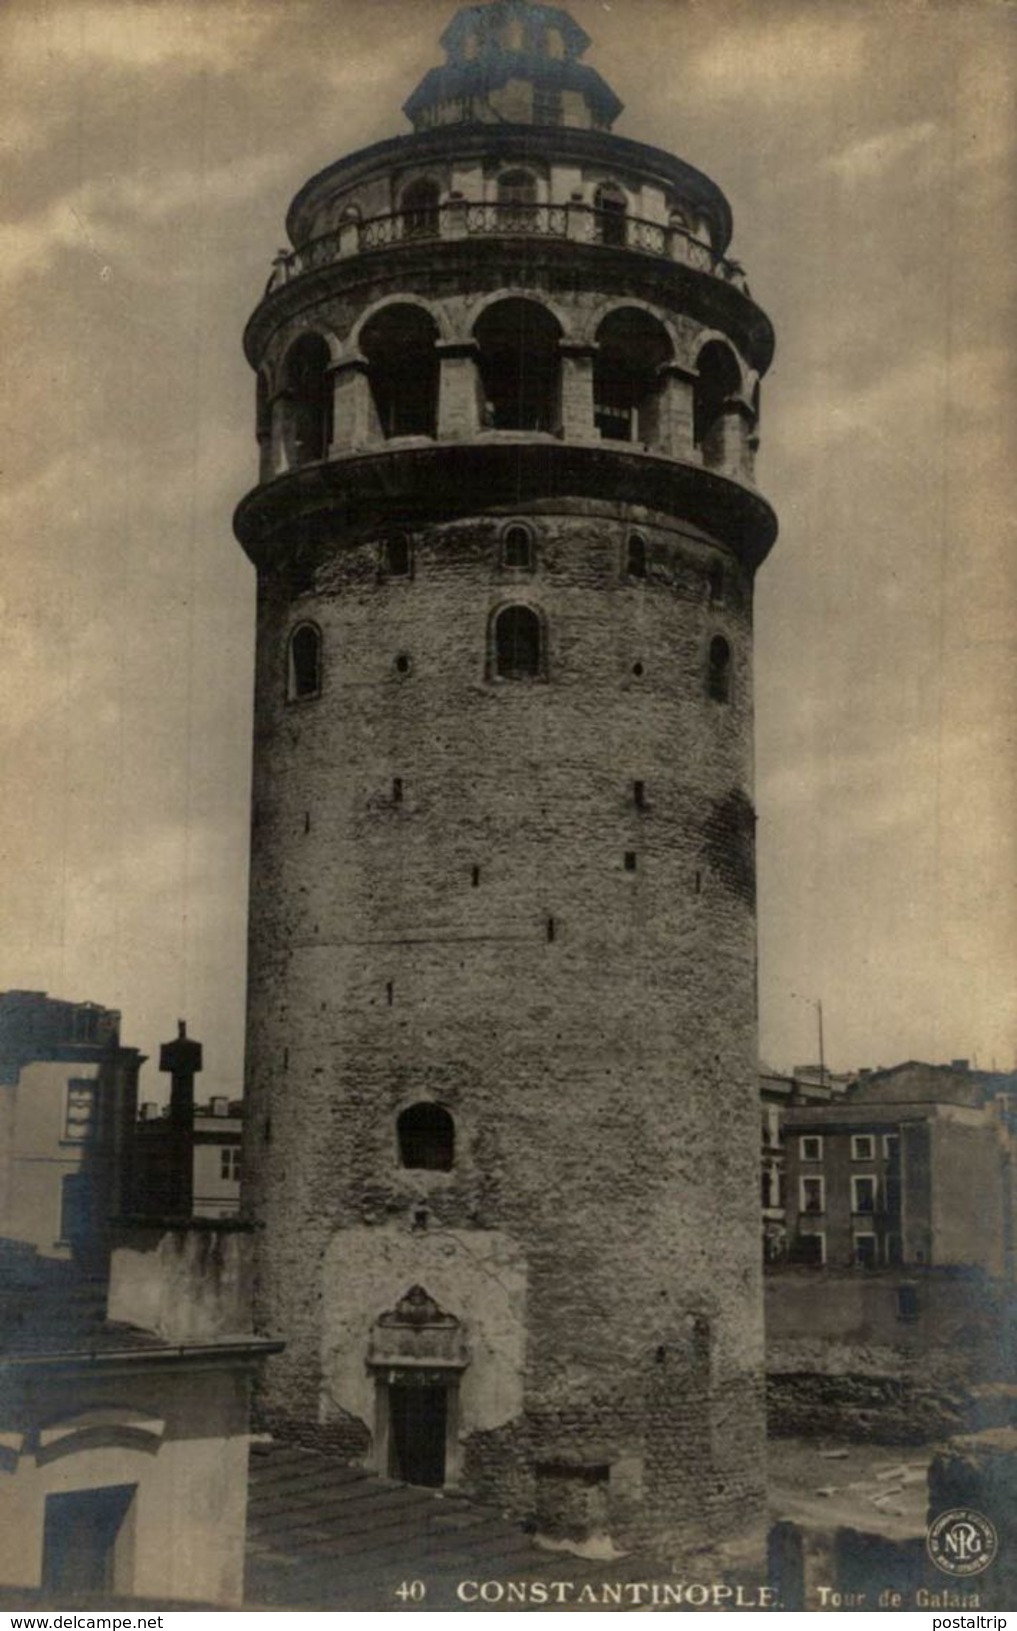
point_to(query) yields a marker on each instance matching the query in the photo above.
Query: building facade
(68, 1100)
(501, 1118)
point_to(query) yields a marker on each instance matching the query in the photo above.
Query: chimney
(181, 1060)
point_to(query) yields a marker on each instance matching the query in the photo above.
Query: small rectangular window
(891, 1146)
(812, 1195)
(397, 790)
(810, 1148)
(907, 1303)
(229, 1163)
(80, 1113)
(810, 1247)
(865, 1251)
(863, 1147)
(863, 1194)
(639, 795)
(630, 860)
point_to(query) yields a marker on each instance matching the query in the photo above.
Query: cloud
(210, 36)
(870, 156)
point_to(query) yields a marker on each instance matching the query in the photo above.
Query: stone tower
(502, 1124)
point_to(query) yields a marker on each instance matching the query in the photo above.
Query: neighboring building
(501, 1119)
(216, 1141)
(910, 1167)
(124, 1419)
(68, 1100)
(779, 1095)
(896, 1304)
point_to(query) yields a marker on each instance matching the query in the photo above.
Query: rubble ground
(880, 1489)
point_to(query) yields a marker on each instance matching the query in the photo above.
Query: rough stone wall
(603, 1080)
(840, 1360)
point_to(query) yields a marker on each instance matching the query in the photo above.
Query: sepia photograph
(508, 1053)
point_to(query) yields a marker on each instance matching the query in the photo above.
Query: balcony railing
(459, 218)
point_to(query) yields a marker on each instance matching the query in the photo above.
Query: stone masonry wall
(591, 1028)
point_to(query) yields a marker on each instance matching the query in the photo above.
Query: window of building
(810, 1247)
(396, 556)
(717, 381)
(402, 370)
(547, 106)
(865, 1251)
(813, 1195)
(304, 675)
(863, 1147)
(426, 1135)
(520, 366)
(420, 204)
(307, 388)
(518, 644)
(632, 348)
(718, 670)
(863, 1194)
(810, 1147)
(635, 556)
(80, 1111)
(517, 548)
(229, 1163)
(891, 1147)
(610, 206)
(73, 1208)
(517, 200)
(85, 1023)
(907, 1303)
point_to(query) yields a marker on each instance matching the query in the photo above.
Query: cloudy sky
(149, 150)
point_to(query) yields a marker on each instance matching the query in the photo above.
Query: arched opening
(517, 200)
(402, 368)
(519, 366)
(609, 210)
(718, 379)
(718, 670)
(635, 556)
(397, 558)
(518, 644)
(304, 668)
(420, 209)
(627, 380)
(262, 410)
(427, 1138)
(517, 548)
(308, 390)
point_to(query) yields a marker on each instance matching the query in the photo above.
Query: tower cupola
(513, 62)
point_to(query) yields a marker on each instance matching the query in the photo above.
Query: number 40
(411, 1591)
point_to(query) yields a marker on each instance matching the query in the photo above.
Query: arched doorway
(417, 1353)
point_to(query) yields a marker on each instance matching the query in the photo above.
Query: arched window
(304, 676)
(635, 556)
(518, 644)
(610, 206)
(718, 379)
(517, 548)
(517, 201)
(718, 670)
(420, 209)
(520, 366)
(402, 367)
(627, 379)
(397, 556)
(308, 391)
(262, 411)
(427, 1138)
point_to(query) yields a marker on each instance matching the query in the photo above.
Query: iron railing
(459, 218)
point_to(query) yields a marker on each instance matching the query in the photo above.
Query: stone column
(677, 409)
(577, 391)
(730, 440)
(458, 389)
(351, 405)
